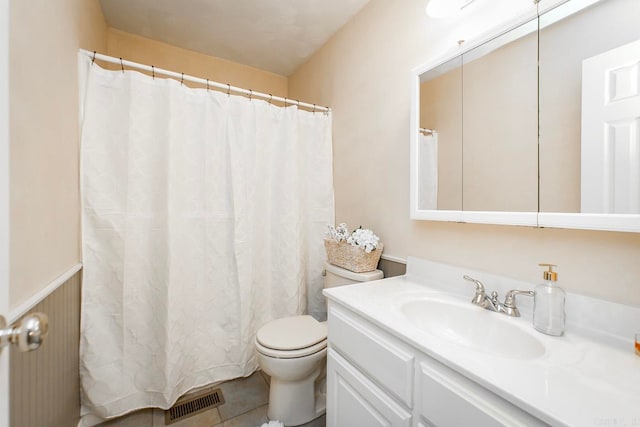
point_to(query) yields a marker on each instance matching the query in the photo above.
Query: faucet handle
(478, 298)
(510, 298)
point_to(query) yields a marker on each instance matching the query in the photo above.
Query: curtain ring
(286, 101)
(207, 85)
(314, 108)
(94, 57)
(153, 72)
(250, 94)
(228, 89)
(182, 80)
(297, 103)
(270, 99)
(121, 65)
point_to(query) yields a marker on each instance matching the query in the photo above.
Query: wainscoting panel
(45, 384)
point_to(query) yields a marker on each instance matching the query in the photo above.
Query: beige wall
(162, 55)
(44, 200)
(363, 73)
(500, 129)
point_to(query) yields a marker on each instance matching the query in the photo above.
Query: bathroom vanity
(413, 351)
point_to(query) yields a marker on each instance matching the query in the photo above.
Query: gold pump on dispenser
(549, 274)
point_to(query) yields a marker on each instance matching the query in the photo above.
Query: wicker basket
(352, 258)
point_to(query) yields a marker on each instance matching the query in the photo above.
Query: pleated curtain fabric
(428, 178)
(203, 217)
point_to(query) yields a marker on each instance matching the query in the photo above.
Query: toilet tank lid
(358, 277)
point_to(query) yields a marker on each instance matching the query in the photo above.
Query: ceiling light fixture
(446, 8)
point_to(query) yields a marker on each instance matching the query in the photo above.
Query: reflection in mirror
(590, 108)
(500, 126)
(440, 138)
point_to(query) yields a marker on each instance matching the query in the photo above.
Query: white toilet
(293, 351)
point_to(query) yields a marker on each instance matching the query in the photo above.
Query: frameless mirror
(500, 120)
(590, 108)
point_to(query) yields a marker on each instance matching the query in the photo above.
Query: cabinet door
(382, 358)
(447, 399)
(353, 400)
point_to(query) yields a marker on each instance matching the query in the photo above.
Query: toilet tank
(337, 276)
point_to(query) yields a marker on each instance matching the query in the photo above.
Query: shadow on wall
(392, 268)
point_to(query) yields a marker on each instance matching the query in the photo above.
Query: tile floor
(246, 402)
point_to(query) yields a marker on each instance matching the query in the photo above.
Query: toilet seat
(291, 354)
(292, 337)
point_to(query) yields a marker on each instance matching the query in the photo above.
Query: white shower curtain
(428, 171)
(203, 216)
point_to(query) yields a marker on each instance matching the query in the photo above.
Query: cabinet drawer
(353, 400)
(447, 399)
(383, 358)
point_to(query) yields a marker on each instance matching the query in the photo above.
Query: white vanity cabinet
(354, 400)
(369, 374)
(374, 379)
(447, 398)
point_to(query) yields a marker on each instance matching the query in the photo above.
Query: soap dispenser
(548, 306)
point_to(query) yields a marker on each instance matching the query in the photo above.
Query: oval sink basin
(472, 327)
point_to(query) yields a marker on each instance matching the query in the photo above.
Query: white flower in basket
(358, 252)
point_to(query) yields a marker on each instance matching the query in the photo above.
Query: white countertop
(579, 380)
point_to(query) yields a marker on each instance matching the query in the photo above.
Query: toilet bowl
(293, 351)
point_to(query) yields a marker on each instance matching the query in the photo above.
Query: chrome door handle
(28, 334)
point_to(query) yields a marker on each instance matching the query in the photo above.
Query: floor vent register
(192, 405)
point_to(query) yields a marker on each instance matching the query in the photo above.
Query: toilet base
(296, 403)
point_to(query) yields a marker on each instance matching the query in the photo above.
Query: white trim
(4, 157)
(414, 126)
(502, 218)
(23, 308)
(586, 221)
(435, 215)
(5, 275)
(394, 258)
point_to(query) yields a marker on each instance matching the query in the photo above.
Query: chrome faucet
(509, 305)
(480, 298)
(492, 303)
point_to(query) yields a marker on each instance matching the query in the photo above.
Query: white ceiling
(273, 35)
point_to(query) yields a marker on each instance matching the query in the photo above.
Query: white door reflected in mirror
(610, 177)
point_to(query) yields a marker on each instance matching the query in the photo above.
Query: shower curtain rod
(210, 84)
